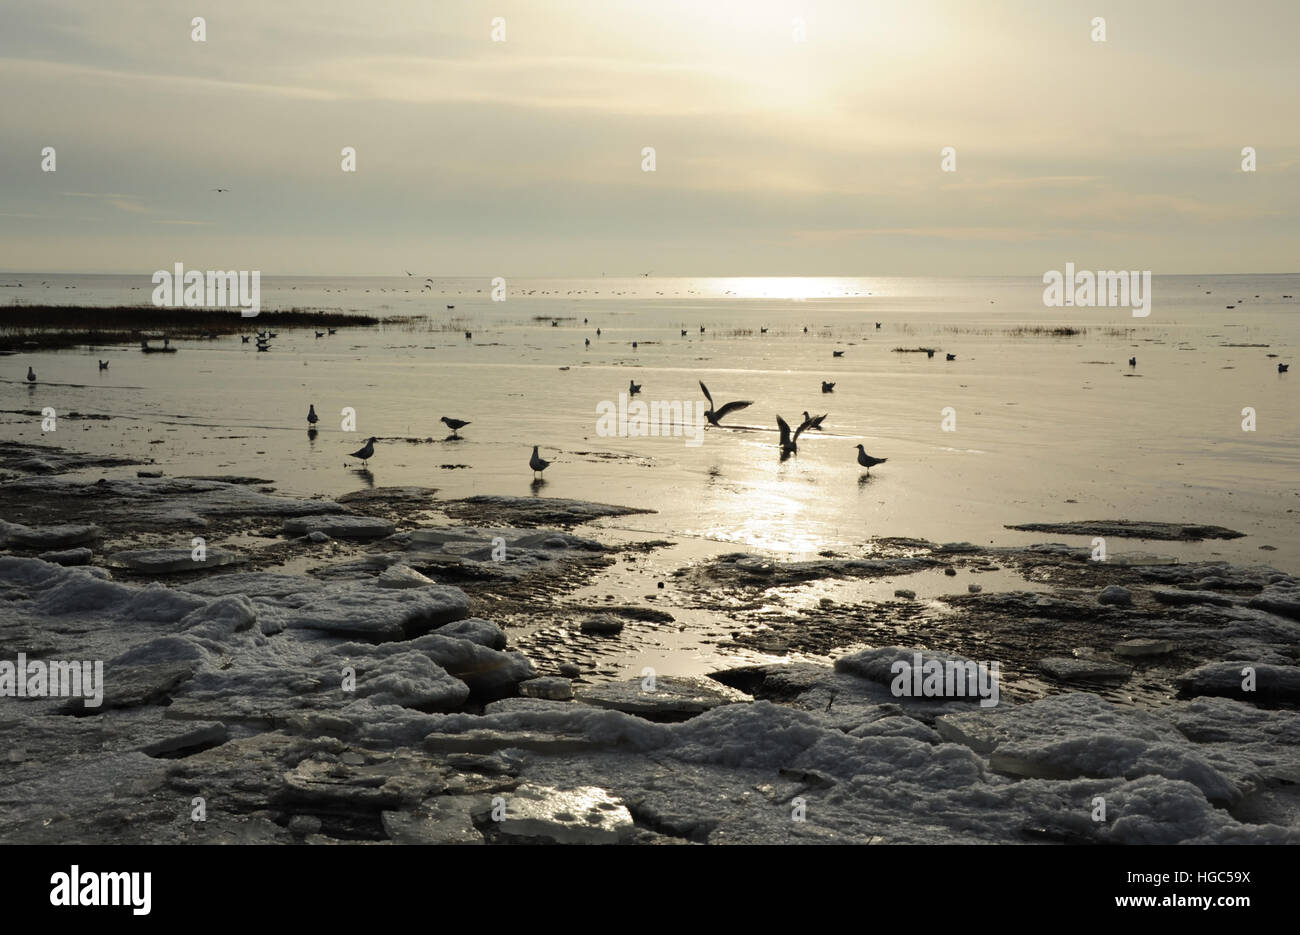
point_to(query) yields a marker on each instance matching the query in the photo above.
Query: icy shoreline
(366, 702)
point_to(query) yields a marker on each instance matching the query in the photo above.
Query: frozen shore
(342, 684)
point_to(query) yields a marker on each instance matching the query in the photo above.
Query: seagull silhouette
(837, 353)
(223, 190)
(366, 453)
(828, 387)
(867, 461)
(31, 375)
(789, 441)
(814, 422)
(715, 417)
(633, 388)
(454, 424)
(103, 364)
(312, 418)
(537, 462)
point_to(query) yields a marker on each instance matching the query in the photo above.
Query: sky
(790, 138)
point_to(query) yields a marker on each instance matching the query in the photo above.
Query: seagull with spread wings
(713, 416)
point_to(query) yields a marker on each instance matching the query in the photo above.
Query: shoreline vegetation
(28, 327)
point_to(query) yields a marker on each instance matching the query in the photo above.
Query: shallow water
(1047, 428)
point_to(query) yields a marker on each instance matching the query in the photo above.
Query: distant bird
(597, 332)
(813, 422)
(367, 452)
(805, 329)
(877, 326)
(701, 329)
(828, 387)
(469, 334)
(537, 462)
(929, 352)
(451, 306)
(584, 321)
(647, 274)
(222, 190)
(789, 441)
(762, 331)
(263, 347)
(332, 330)
(31, 375)
(837, 353)
(103, 364)
(312, 418)
(952, 356)
(633, 388)
(634, 345)
(454, 424)
(715, 417)
(587, 342)
(320, 334)
(683, 332)
(1283, 368)
(1132, 361)
(243, 338)
(867, 461)
(408, 272)
(555, 324)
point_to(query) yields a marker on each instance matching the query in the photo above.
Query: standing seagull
(312, 418)
(454, 424)
(828, 387)
(633, 388)
(31, 375)
(366, 453)
(789, 442)
(715, 417)
(1283, 368)
(537, 462)
(867, 461)
(1132, 361)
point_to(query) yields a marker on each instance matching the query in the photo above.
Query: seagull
(634, 345)
(867, 461)
(451, 306)
(537, 462)
(789, 443)
(877, 326)
(1132, 361)
(633, 388)
(454, 424)
(469, 334)
(587, 342)
(837, 353)
(1283, 368)
(332, 330)
(555, 324)
(805, 329)
(597, 332)
(929, 352)
(320, 334)
(367, 452)
(683, 332)
(715, 418)
(312, 418)
(762, 331)
(828, 387)
(223, 190)
(31, 375)
(263, 347)
(813, 422)
(103, 364)
(243, 339)
(701, 329)
(952, 356)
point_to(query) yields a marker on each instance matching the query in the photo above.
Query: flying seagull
(813, 422)
(952, 356)
(454, 424)
(537, 462)
(789, 442)
(828, 387)
(715, 417)
(243, 339)
(633, 388)
(103, 364)
(867, 461)
(312, 418)
(367, 452)
(223, 190)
